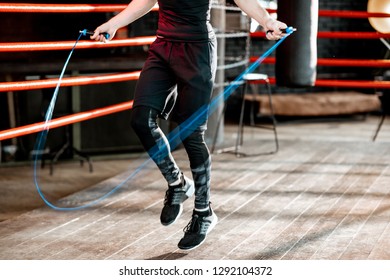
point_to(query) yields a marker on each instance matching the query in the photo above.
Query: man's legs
(203, 217)
(192, 68)
(196, 75)
(200, 163)
(144, 122)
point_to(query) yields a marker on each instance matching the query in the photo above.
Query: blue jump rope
(181, 132)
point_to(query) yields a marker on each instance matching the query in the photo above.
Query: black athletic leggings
(177, 81)
(144, 123)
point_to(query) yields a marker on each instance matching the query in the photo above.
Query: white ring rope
(233, 65)
(232, 35)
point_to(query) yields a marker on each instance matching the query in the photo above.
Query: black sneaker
(197, 229)
(174, 198)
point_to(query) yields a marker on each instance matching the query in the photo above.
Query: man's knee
(136, 123)
(194, 141)
(143, 119)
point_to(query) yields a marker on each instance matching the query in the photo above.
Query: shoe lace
(173, 196)
(194, 225)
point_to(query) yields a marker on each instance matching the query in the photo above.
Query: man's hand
(101, 31)
(274, 29)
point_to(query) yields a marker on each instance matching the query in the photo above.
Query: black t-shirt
(187, 20)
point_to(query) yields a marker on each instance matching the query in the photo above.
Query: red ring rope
(351, 14)
(344, 83)
(342, 62)
(384, 63)
(74, 118)
(352, 35)
(337, 35)
(67, 45)
(352, 84)
(72, 81)
(61, 8)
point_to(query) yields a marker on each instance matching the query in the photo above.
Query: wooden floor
(324, 195)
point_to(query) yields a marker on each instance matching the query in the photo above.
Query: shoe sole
(188, 194)
(211, 227)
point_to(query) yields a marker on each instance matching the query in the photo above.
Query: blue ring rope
(180, 132)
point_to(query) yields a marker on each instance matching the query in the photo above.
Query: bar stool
(253, 79)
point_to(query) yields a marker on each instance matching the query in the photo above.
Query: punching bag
(296, 58)
(381, 25)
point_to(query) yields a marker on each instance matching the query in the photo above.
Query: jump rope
(174, 137)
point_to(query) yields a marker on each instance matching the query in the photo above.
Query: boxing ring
(12, 86)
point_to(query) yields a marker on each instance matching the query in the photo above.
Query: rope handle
(287, 30)
(86, 32)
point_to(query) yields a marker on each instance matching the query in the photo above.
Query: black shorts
(177, 76)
